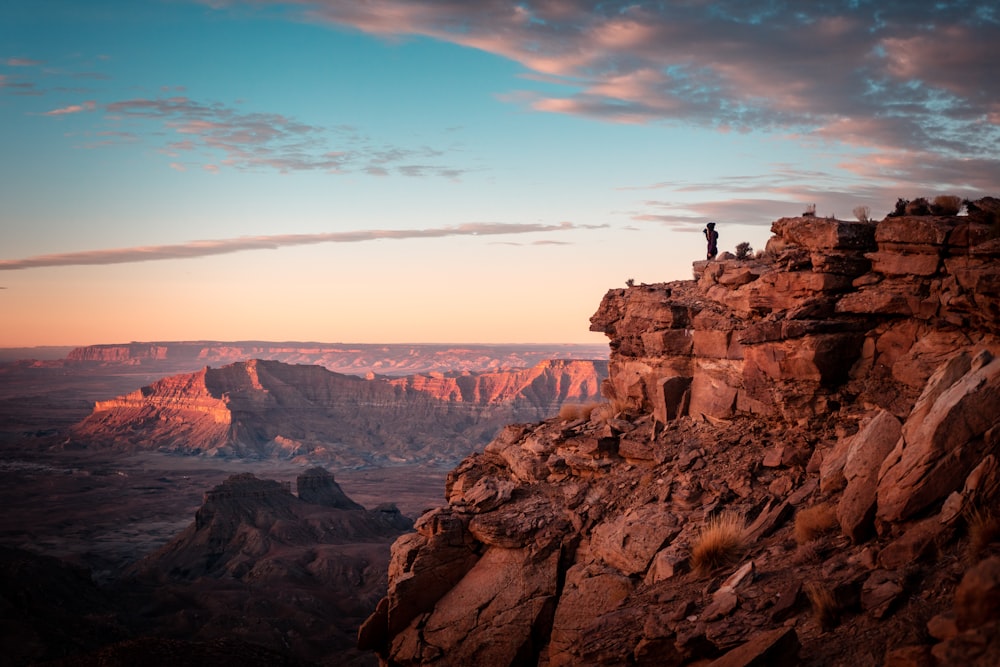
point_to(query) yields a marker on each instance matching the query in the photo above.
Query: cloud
(923, 71)
(224, 137)
(89, 105)
(224, 246)
(23, 62)
(16, 86)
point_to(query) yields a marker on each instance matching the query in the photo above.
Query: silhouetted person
(712, 237)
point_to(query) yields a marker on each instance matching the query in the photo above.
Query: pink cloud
(924, 71)
(210, 247)
(23, 62)
(89, 105)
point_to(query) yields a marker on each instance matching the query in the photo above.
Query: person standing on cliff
(712, 237)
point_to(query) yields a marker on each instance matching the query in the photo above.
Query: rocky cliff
(264, 408)
(796, 465)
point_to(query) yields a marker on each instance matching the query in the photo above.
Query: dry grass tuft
(573, 411)
(984, 530)
(814, 521)
(721, 541)
(569, 411)
(824, 605)
(806, 553)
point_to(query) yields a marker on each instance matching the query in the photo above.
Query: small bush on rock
(824, 605)
(743, 250)
(984, 530)
(720, 542)
(573, 411)
(918, 206)
(862, 213)
(812, 522)
(946, 205)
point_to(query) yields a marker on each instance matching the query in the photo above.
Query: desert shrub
(743, 250)
(806, 553)
(810, 211)
(630, 282)
(617, 406)
(824, 604)
(984, 529)
(569, 411)
(946, 205)
(862, 213)
(918, 206)
(572, 411)
(721, 541)
(812, 522)
(900, 208)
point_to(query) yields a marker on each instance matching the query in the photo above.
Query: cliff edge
(796, 465)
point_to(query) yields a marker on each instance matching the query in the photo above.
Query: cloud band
(224, 246)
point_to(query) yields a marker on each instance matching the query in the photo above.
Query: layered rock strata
(796, 465)
(269, 409)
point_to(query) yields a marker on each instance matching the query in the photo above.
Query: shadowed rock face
(318, 487)
(268, 409)
(261, 565)
(839, 394)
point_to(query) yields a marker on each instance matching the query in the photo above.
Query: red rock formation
(850, 371)
(270, 409)
(355, 359)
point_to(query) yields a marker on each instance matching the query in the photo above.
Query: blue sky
(423, 171)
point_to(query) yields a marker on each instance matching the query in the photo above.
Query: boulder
(629, 541)
(946, 435)
(493, 615)
(977, 598)
(589, 592)
(869, 447)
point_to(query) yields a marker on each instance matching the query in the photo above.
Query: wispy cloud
(89, 105)
(925, 71)
(217, 136)
(224, 246)
(23, 62)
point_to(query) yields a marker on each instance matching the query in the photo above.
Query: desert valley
(110, 451)
(790, 459)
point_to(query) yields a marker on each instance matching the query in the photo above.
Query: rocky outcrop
(788, 471)
(267, 409)
(296, 574)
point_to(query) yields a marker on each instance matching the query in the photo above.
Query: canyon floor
(104, 512)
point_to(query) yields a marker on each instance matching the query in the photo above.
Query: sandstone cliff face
(839, 396)
(269, 409)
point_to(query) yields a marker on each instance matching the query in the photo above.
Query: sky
(445, 171)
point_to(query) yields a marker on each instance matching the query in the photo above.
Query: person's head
(711, 225)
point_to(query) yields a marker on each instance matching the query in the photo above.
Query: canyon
(150, 503)
(793, 461)
(796, 465)
(269, 409)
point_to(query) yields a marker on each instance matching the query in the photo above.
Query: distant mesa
(317, 486)
(355, 359)
(269, 409)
